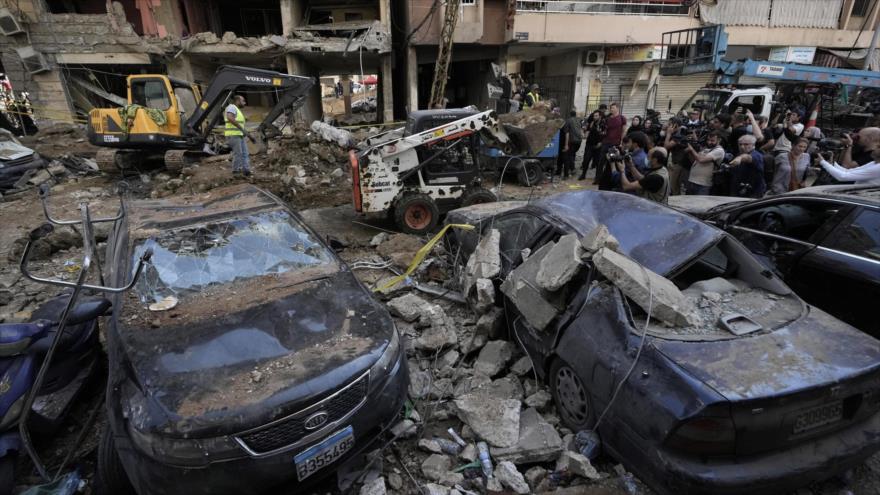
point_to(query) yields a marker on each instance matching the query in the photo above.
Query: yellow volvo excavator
(171, 120)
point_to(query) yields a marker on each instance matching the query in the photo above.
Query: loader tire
(416, 214)
(478, 195)
(531, 174)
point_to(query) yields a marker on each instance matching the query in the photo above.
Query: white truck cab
(712, 101)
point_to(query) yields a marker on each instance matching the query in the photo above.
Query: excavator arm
(289, 89)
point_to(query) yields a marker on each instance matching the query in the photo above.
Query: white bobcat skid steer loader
(415, 178)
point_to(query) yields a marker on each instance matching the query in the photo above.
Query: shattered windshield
(195, 257)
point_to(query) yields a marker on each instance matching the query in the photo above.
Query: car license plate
(817, 417)
(324, 453)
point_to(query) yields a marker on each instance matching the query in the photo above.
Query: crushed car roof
(150, 215)
(658, 237)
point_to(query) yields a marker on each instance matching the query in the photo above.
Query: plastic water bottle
(629, 484)
(587, 443)
(448, 446)
(457, 438)
(485, 459)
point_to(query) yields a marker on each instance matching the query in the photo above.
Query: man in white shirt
(867, 174)
(791, 128)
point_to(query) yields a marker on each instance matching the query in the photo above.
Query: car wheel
(110, 476)
(416, 214)
(7, 473)
(571, 397)
(531, 174)
(478, 195)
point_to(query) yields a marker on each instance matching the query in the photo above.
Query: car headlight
(388, 358)
(190, 452)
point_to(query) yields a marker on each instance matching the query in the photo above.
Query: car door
(844, 270)
(781, 231)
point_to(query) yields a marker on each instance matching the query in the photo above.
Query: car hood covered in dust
(813, 351)
(238, 361)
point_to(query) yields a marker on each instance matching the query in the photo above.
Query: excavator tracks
(106, 160)
(176, 160)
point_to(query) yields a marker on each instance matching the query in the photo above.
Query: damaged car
(700, 370)
(15, 160)
(246, 359)
(826, 234)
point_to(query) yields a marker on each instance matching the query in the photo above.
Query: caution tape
(420, 255)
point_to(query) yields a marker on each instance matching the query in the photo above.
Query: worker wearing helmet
(235, 134)
(533, 97)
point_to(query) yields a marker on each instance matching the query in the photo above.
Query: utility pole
(444, 53)
(870, 55)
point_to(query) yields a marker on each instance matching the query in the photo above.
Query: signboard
(521, 35)
(796, 54)
(770, 70)
(631, 53)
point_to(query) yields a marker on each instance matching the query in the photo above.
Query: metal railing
(606, 7)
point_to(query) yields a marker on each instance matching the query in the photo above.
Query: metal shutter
(678, 90)
(617, 83)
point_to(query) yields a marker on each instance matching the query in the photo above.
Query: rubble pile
(310, 157)
(472, 389)
(60, 141)
(536, 126)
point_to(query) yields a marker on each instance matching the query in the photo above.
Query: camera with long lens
(615, 155)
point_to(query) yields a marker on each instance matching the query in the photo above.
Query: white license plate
(323, 454)
(817, 417)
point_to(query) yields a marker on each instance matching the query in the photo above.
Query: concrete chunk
(494, 420)
(646, 288)
(485, 262)
(484, 296)
(560, 264)
(436, 466)
(511, 478)
(598, 238)
(577, 464)
(494, 357)
(538, 441)
(538, 306)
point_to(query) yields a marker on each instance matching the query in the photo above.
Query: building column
(311, 109)
(387, 85)
(181, 68)
(385, 78)
(291, 17)
(412, 80)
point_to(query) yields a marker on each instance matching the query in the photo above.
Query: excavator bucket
(530, 130)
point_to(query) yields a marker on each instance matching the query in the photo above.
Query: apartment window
(468, 2)
(861, 8)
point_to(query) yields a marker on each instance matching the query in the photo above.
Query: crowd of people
(740, 155)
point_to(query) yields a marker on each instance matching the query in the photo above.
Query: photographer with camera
(653, 184)
(721, 124)
(791, 131)
(867, 174)
(679, 159)
(592, 128)
(859, 146)
(704, 164)
(614, 126)
(747, 170)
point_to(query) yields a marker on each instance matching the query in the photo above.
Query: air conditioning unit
(34, 61)
(9, 24)
(594, 57)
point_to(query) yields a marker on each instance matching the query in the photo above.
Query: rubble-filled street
(439, 247)
(470, 389)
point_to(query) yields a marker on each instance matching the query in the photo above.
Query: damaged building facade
(589, 52)
(73, 55)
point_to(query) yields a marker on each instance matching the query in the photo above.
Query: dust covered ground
(458, 358)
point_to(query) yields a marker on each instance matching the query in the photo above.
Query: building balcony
(598, 22)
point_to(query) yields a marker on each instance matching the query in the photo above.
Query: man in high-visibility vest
(533, 97)
(235, 134)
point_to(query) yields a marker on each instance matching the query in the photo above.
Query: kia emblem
(316, 420)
